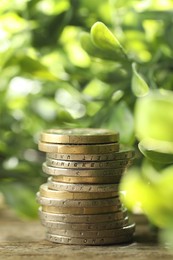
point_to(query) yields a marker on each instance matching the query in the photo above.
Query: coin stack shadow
(80, 203)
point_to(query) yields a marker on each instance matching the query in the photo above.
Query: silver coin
(82, 172)
(71, 218)
(89, 241)
(122, 231)
(81, 187)
(121, 155)
(85, 226)
(77, 203)
(87, 165)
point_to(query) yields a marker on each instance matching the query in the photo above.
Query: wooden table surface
(26, 240)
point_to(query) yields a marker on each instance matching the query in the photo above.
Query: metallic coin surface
(77, 203)
(87, 165)
(74, 218)
(79, 136)
(81, 187)
(89, 241)
(78, 149)
(54, 171)
(46, 192)
(117, 231)
(79, 210)
(121, 155)
(86, 226)
(91, 180)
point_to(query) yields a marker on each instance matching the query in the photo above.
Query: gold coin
(54, 171)
(88, 241)
(79, 136)
(46, 192)
(77, 203)
(76, 218)
(78, 210)
(57, 226)
(121, 155)
(78, 149)
(91, 180)
(81, 187)
(87, 165)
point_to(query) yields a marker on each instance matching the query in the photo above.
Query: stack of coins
(80, 202)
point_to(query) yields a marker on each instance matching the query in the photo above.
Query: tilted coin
(79, 136)
(91, 180)
(119, 230)
(89, 241)
(74, 218)
(121, 155)
(79, 210)
(87, 165)
(77, 203)
(85, 226)
(78, 149)
(82, 172)
(81, 187)
(46, 192)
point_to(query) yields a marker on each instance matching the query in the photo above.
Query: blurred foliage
(60, 67)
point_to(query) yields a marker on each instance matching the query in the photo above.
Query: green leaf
(104, 40)
(157, 151)
(103, 37)
(154, 116)
(139, 86)
(153, 200)
(93, 50)
(33, 67)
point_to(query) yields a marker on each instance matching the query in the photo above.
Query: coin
(85, 226)
(78, 210)
(46, 192)
(121, 155)
(82, 172)
(77, 203)
(88, 241)
(87, 165)
(78, 149)
(91, 180)
(81, 187)
(74, 218)
(79, 136)
(118, 228)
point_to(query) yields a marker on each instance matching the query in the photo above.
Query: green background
(55, 73)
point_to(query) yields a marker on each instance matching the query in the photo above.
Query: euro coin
(87, 165)
(78, 218)
(80, 210)
(119, 230)
(46, 192)
(54, 171)
(79, 136)
(121, 155)
(85, 226)
(60, 186)
(78, 149)
(91, 180)
(77, 203)
(88, 241)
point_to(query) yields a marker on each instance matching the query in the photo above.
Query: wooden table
(26, 240)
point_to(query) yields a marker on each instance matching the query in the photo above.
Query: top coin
(79, 136)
